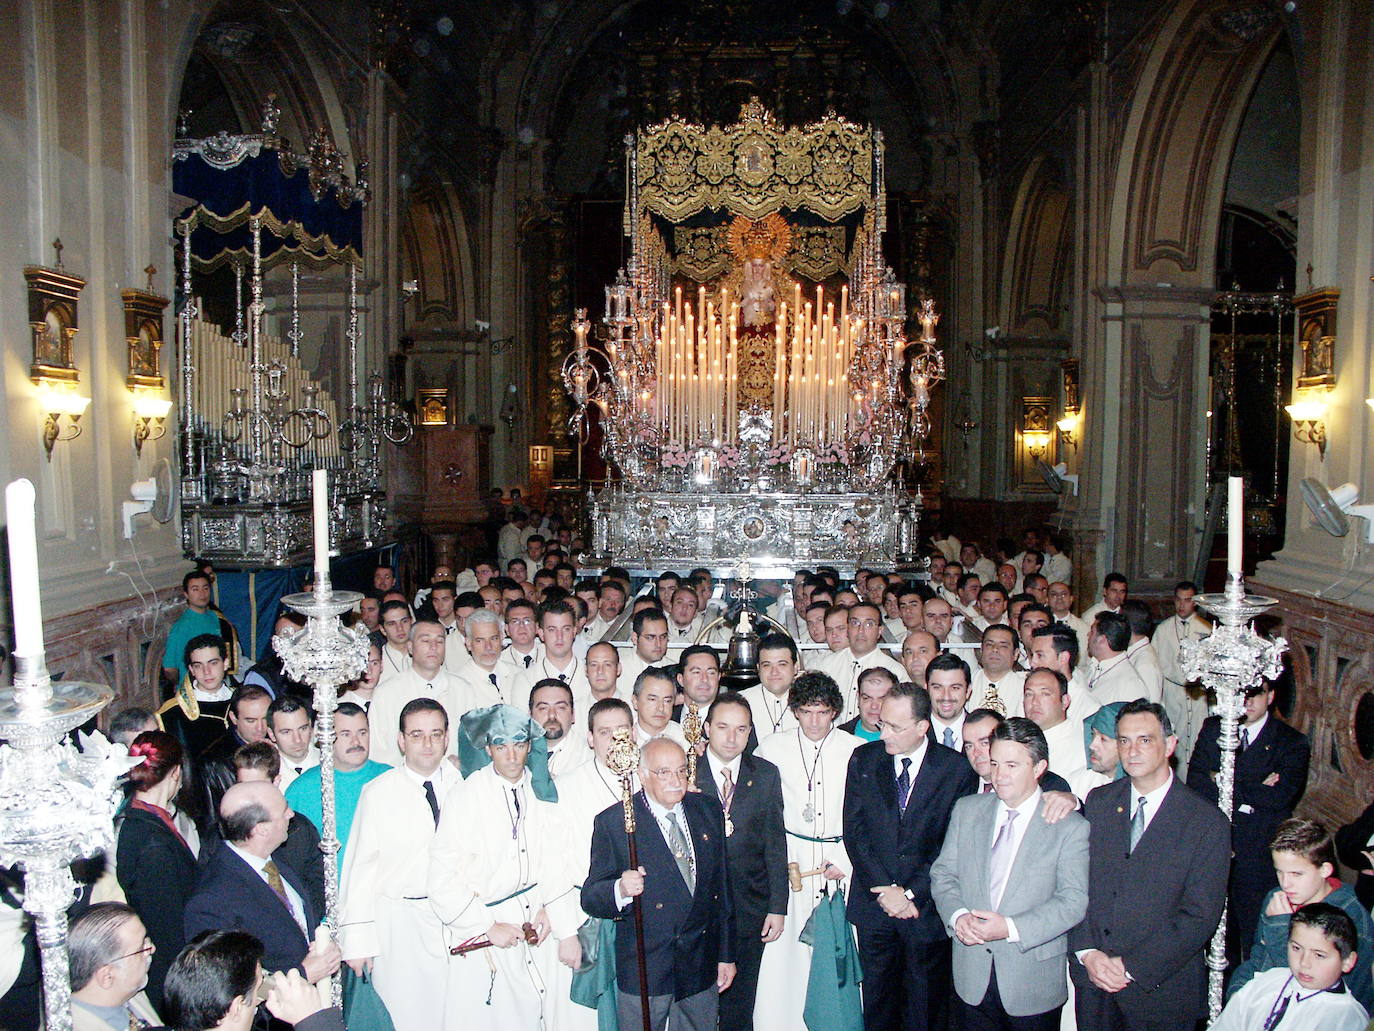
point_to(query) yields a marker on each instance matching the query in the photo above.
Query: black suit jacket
(230, 896)
(686, 934)
(300, 851)
(757, 850)
(1351, 843)
(1277, 749)
(157, 871)
(891, 846)
(1156, 907)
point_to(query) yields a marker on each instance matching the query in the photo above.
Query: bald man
(682, 886)
(241, 888)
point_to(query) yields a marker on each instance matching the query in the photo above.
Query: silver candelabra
(1233, 658)
(57, 804)
(325, 654)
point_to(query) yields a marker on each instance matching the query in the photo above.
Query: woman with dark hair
(155, 865)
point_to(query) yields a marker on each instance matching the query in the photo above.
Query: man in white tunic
(1061, 607)
(1113, 594)
(1046, 704)
(425, 678)
(444, 598)
(1185, 703)
(551, 706)
(1140, 651)
(996, 685)
(1056, 647)
(396, 622)
(602, 669)
(557, 631)
(524, 650)
(652, 700)
(865, 623)
(649, 635)
(490, 681)
(768, 699)
(1113, 678)
(386, 925)
(583, 793)
(498, 873)
(813, 761)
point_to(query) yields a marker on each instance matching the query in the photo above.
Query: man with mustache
(353, 770)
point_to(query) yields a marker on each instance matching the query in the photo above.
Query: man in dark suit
(749, 791)
(242, 888)
(1355, 846)
(1271, 775)
(898, 797)
(1156, 887)
(683, 887)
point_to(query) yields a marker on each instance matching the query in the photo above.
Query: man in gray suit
(1009, 886)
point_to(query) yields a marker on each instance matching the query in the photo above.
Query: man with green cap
(498, 873)
(1099, 739)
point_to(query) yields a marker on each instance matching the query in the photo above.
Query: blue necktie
(904, 784)
(949, 738)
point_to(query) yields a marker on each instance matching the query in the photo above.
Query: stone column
(1144, 428)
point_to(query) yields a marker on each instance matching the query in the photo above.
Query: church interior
(1147, 232)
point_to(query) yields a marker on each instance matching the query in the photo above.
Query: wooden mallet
(795, 875)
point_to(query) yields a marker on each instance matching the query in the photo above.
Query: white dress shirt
(956, 728)
(1025, 812)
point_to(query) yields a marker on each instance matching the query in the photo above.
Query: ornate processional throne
(756, 385)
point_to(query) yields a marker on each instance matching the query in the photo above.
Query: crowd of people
(959, 802)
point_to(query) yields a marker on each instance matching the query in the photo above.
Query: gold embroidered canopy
(755, 167)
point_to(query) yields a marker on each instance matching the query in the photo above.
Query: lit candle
(28, 613)
(320, 496)
(1235, 523)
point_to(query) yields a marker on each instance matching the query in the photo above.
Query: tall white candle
(320, 495)
(28, 613)
(1235, 523)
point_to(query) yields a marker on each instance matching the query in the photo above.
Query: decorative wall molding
(1331, 657)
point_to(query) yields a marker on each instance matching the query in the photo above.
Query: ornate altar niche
(755, 384)
(256, 420)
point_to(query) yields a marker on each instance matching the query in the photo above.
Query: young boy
(1310, 992)
(1305, 862)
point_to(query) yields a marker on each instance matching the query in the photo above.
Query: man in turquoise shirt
(874, 684)
(352, 771)
(198, 619)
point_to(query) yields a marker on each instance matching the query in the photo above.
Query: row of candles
(697, 355)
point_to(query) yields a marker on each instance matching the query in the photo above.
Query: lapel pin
(1120, 809)
(705, 836)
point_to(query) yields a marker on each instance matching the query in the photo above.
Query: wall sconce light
(1037, 442)
(1067, 427)
(60, 401)
(150, 418)
(1036, 426)
(1308, 413)
(53, 300)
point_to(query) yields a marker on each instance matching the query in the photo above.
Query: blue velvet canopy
(316, 231)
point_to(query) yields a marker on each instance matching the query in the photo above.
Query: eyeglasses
(670, 775)
(148, 946)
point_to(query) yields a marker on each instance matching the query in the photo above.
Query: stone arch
(1185, 114)
(1038, 254)
(280, 55)
(436, 243)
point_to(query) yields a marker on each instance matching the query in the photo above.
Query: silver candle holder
(1230, 660)
(57, 804)
(325, 654)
